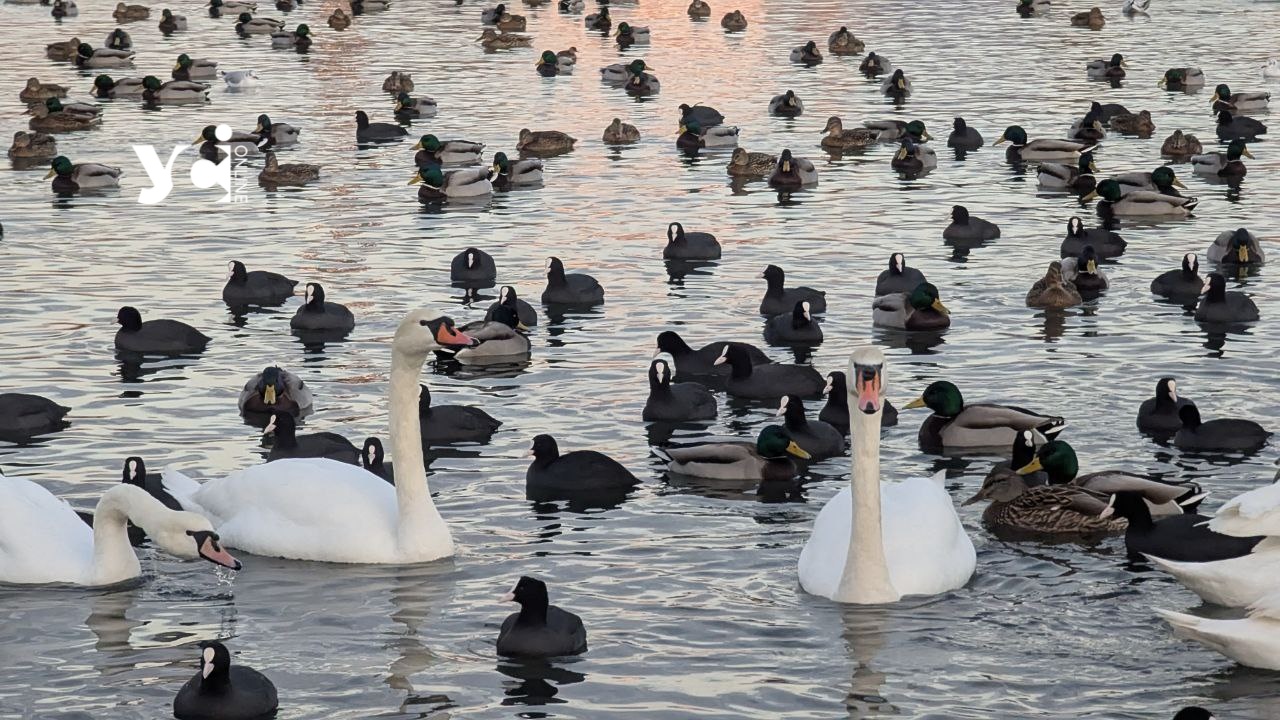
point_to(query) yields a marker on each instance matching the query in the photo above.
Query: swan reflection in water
(864, 634)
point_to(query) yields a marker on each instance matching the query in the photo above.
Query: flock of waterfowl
(876, 541)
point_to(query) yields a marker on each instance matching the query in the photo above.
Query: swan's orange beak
(867, 386)
(448, 337)
(211, 550)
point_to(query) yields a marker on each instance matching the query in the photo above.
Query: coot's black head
(135, 471)
(555, 268)
(544, 449)
(129, 318)
(531, 593)
(314, 296)
(284, 428)
(675, 232)
(508, 316)
(1024, 449)
(1193, 713)
(1075, 227)
(215, 662)
(1189, 414)
(372, 455)
(774, 274)
(897, 263)
(836, 387)
(659, 373)
(800, 314)
(959, 125)
(238, 273)
(670, 342)
(1190, 265)
(1167, 390)
(791, 407)
(960, 214)
(1216, 287)
(1128, 504)
(507, 296)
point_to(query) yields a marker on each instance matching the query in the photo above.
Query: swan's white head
(866, 379)
(189, 536)
(423, 331)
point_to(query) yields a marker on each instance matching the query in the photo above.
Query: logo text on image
(204, 174)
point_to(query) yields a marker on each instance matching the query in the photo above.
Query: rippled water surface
(689, 593)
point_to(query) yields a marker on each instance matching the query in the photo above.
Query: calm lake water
(689, 593)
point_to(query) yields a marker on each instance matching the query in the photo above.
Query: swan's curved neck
(865, 579)
(417, 512)
(113, 557)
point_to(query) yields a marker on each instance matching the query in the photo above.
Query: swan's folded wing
(1256, 512)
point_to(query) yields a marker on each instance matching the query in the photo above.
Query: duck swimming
(1240, 102)
(843, 42)
(1159, 415)
(72, 178)
(963, 137)
(1182, 79)
(53, 117)
(734, 21)
(107, 88)
(1237, 247)
(1220, 434)
(155, 92)
(540, 629)
(797, 327)
(1181, 147)
(220, 689)
(433, 151)
(792, 172)
(874, 64)
(1106, 243)
(186, 68)
(1083, 272)
(807, 54)
(275, 391)
(544, 142)
(1057, 459)
(156, 337)
(1112, 69)
(920, 309)
(620, 133)
(32, 146)
(36, 91)
(768, 382)
(507, 173)
(88, 57)
(1034, 150)
(839, 139)
(955, 425)
(1091, 19)
(694, 137)
(275, 174)
(1183, 284)
(676, 402)
(1043, 509)
(1079, 179)
(744, 164)
(1053, 290)
(1139, 203)
(786, 105)
(769, 459)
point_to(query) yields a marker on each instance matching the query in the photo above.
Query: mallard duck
(890, 130)
(1059, 462)
(769, 460)
(230, 7)
(920, 309)
(913, 157)
(786, 105)
(571, 6)
(87, 57)
(64, 9)
(1161, 180)
(963, 137)
(1219, 306)
(211, 146)
(1088, 129)
(704, 115)
(1181, 147)
(118, 39)
(492, 40)
(896, 86)
(489, 16)
(409, 108)
(104, 86)
(1128, 124)
(501, 336)
(837, 138)
(792, 172)
(174, 91)
(1235, 247)
(806, 54)
(699, 9)
(1083, 272)
(36, 91)
(247, 24)
(299, 39)
(363, 7)
(527, 171)
(1079, 179)
(693, 136)
(628, 35)
(129, 13)
(87, 112)
(842, 42)
(734, 21)
(599, 20)
(965, 227)
(1053, 290)
(371, 132)
(1043, 509)
(1183, 284)
(1106, 243)
(187, 68)
(1092, 19)
(898, 278)
(1035, 150)
(874, 64)
(1139, 203)
(397, 82)
(288, 5)
(437, 184)
(1227, 164)
(448, 152)
(567, 59)
(1240, 102)
(1181, 79)
(544, 142)
(65, 50)
(955, 425)
(274, 133)
(339, 20)
(642, 85)
(237, 80)
(69, 178)
(751, 164)
(1032, 8)
(1238, 127)
(620, 133)
(52, 118)
(290, 174)
(171, 23)
(32, 145)
(1112, 69)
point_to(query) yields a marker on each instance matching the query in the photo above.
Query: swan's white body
(876, 541)
(328, 511)
(1253, 641)
(42, 540)
(1246, 580)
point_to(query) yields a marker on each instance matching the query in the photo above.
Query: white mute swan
(1245, 580)
(42, 540)
(329, 511)
(875, 541)
(1253, 641)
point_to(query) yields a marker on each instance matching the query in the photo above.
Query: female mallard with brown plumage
(289, 174)
(1181, 147)
(1053, 290)
(620, 133)
(699, 9)
(52, 118)
(544, 142)
(30, 145)
(837, 138)
(734, 21)
(36, 91)
(1091, 19)
(1043, 509)
(751, 164)
(843, 42)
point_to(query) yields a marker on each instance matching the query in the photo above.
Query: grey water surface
(689, 593)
